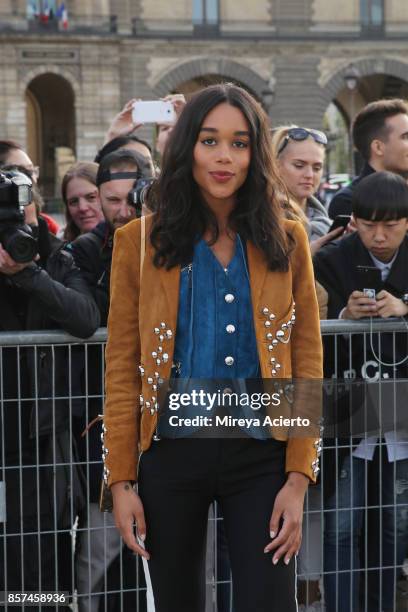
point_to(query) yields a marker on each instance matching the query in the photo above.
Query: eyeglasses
(300, 134)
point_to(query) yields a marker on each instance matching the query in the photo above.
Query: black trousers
(178, 480)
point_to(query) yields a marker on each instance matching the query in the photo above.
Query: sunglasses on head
(300, 134)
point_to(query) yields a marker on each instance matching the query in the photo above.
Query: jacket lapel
(170, 280)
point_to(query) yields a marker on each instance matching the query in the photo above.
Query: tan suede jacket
(141, 334)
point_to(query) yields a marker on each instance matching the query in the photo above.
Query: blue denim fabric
(202, 342)
(344, 514)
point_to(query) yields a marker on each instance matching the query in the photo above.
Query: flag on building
(45, 12)
(33, 9)
(62, 15)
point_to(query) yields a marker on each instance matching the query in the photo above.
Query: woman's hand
(289, 507)
(317, 244)
(122, 124)
(127, 510)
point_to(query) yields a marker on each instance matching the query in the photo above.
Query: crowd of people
(67, 286)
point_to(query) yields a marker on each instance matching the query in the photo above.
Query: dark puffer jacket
(37, 381)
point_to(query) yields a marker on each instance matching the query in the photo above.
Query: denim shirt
(215, 338)
(215, 331)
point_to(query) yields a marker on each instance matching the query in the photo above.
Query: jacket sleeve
(66, 301)
(123, 384)
(83, 251)
(302, 453)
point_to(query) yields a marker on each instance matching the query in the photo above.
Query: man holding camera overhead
(40, 288)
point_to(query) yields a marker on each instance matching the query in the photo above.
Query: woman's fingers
(333, 234)
(287, 543)
(128, 510)
(279, 540)
(275, 520)
(140, 521)
(286, 551)
(131, 542)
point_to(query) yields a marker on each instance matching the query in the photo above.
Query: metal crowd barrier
(53, 538)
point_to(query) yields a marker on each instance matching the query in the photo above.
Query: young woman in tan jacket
(217, 285)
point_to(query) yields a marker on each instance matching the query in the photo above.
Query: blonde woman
(300, 153)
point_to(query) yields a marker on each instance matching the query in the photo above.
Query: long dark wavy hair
(182, 215)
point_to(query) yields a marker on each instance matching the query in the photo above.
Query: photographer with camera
(40, 289)
(365, 275)
(13, 154)
(123, 179)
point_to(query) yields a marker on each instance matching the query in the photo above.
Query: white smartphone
(155, 111)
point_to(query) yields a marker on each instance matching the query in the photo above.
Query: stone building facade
(60, 85)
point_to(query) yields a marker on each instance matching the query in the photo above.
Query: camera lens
(20, 245)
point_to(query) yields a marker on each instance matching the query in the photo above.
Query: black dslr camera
(137, 196)
(15, 236)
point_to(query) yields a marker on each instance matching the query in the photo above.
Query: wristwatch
(404, 298)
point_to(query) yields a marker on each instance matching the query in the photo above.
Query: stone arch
(366, 67)
(169, 80)
(29, 76)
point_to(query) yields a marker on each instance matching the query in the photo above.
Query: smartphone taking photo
(154, 111)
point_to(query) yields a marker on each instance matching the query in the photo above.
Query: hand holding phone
(340, 221)
(154, 111)
(363, 301)
(359, 306)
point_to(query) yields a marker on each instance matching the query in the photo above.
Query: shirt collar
(384, 266)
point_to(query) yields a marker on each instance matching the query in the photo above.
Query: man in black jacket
(380, 208)
(42, 491)
(380, 135)
(117, 174)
